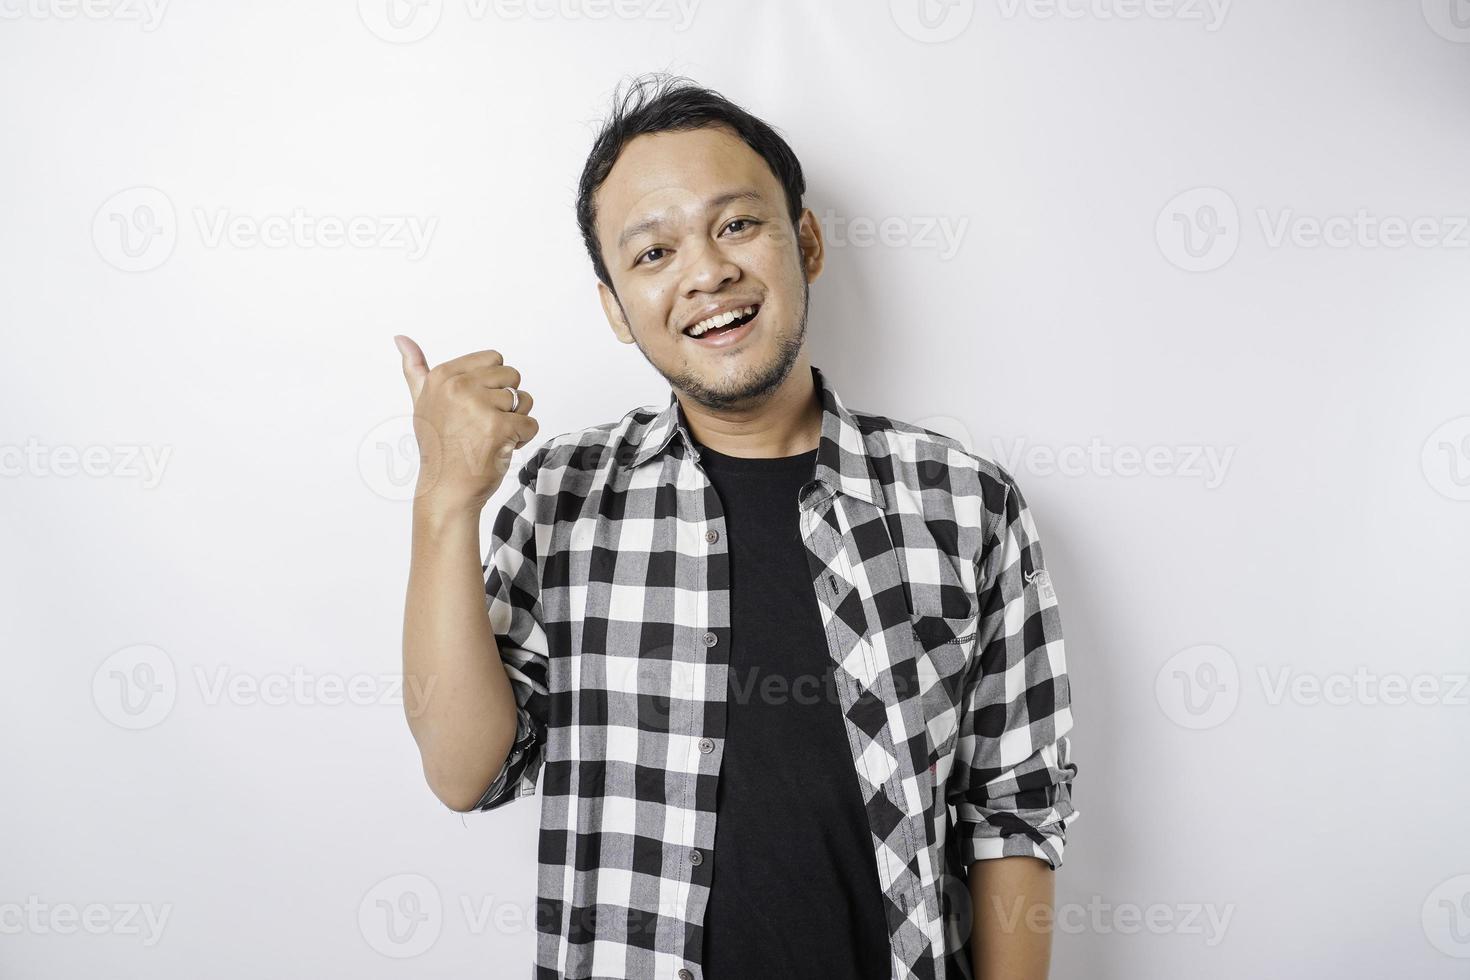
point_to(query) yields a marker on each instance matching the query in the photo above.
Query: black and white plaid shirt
(607, 585)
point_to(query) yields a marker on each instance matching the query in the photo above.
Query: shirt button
(712, 536)
(710, 639)
(695, 857)
(706, 745)
(685, 975)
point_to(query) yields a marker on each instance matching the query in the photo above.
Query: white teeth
(719, 320)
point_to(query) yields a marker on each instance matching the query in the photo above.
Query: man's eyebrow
(713, 204)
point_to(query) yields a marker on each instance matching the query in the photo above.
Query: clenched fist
(464, 425)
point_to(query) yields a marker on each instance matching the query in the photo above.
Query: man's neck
(788, 423)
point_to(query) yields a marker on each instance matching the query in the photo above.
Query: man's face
(695, 222)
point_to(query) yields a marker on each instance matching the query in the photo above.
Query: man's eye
(737, 221)
(647, 254)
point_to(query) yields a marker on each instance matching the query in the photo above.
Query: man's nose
(710, 270)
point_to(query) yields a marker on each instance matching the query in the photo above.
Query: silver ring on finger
(515, 399)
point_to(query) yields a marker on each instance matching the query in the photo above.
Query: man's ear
(813, 250)
(613, 309)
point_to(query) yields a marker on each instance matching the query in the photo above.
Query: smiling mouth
(734, 324)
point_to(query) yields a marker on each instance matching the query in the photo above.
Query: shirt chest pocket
(933, 630)
(943, 647)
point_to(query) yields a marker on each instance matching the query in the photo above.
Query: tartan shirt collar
(843, 462)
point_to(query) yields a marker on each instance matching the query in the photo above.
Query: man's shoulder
(588, 449)
(920, 458)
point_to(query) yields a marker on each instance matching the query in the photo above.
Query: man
(752, 645)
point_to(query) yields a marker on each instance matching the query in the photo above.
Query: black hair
(657, 103)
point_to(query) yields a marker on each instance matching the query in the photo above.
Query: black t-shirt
(795, 889)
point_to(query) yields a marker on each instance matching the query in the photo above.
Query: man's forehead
(658, 209)
(682, 171)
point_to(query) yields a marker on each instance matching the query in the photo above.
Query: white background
(1081, 302)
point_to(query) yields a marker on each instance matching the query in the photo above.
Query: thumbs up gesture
(467, 423)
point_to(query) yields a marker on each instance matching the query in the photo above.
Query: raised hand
(464, 425)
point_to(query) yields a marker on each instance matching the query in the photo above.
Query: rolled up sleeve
(1011, 783)
(512, 600)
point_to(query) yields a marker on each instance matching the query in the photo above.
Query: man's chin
(737, 387)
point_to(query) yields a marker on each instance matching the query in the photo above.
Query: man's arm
(1011, 780)
(458, 696)
(456, 693)
(1011, 938)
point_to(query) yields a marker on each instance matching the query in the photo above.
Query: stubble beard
(754, 387)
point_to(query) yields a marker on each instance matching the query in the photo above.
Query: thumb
(415, 368)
